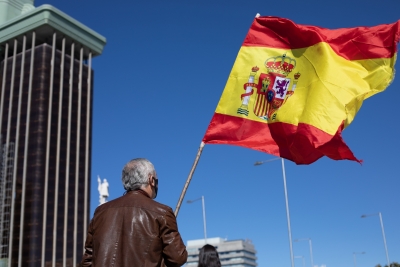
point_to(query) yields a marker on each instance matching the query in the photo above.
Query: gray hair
(136, 173)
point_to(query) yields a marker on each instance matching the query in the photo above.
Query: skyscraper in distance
(46, 83)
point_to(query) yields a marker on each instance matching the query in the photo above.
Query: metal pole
(383, 234)
(3, 85)
(4, 168)
(48, 137)
(384, 239)
(10, 244)
(302, 257)
(27, 133)
(185, 187)
(87, 147)
(310, 244)
(204, 219)
(77, 158)
(58, 155)
(67, 169)
(257, 163)
(17, 132)
(312, 259)
(287, 213)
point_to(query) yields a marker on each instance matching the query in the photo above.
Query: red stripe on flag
(350, 43)
(260, 105)
(302, 144)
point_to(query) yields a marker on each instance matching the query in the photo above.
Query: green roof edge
(58, 20)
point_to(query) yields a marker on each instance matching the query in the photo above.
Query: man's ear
(151, 180)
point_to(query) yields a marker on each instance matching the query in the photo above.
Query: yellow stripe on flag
(330, 88)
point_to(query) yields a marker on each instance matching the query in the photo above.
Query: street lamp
(309, 242)
(298, 257)
(354, 257)
(383, 234)
(257, 163)
(204, 215)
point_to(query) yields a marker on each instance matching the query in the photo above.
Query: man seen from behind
(134, 230)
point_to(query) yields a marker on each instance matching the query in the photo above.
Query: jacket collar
(140, 191)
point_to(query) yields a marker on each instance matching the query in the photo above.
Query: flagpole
(189, 179)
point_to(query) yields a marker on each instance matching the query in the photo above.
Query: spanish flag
(294, 88)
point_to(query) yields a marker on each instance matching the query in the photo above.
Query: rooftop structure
(232, 253)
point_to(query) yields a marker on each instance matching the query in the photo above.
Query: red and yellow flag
(294, 88)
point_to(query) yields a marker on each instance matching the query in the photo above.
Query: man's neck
(147, 189)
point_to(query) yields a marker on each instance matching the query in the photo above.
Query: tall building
(232, 253)
(46, 83)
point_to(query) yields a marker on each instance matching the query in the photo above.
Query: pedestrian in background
(208, 257)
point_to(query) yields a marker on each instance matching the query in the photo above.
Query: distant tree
(393, 264)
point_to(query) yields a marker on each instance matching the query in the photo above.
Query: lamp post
(298, 257)
(354, 257)
(257, 163)
(383, 234)
(204, 215)
(309, 242)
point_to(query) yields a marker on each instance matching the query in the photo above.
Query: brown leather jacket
(133, 230)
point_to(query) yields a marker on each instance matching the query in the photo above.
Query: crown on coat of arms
(280, 64)
(255, 69)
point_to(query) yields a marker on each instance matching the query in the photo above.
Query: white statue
(103, 190)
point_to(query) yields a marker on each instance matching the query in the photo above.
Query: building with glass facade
(46, 83)
(232, 253)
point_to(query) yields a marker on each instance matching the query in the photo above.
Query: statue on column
(103, 190)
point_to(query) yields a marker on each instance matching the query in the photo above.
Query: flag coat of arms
(294, 88)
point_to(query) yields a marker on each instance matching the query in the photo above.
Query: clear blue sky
(156, 86)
